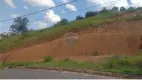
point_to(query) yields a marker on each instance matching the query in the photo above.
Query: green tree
(79, 17)
(103, 10)
(90, 14)
(63, 22)
(115, 9)
(122, 9)
(131, 9)
(19, 25)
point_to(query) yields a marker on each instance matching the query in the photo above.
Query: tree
(103, 10)
(90, 14)
(63, 22)
(115, 9)
(19, 25)
(122, 9)
(131, 9)
(79, 17)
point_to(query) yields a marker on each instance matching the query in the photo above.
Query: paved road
(44, 74)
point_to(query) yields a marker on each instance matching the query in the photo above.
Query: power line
(74, 11)
(39, 11)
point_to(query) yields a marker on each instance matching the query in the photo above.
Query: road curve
(45, 74)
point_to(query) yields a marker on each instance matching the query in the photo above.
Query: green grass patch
(64, 64)
(68, 64)
(117, 64)
(127, 65)
(18, 64)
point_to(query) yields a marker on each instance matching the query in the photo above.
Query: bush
(137, 17)
(112, 63)
(48, 58)
(125, 61)
(63, 22)
(67, 59)
(104, 10)
(24, 36)
(126, 71)
(96, 53)
(138, 62)
(90, 14)
(79, 18)
(115, 62)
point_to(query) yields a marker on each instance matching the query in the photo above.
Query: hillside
(49, 34)
(106, 34)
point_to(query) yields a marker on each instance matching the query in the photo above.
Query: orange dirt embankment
(120, 38)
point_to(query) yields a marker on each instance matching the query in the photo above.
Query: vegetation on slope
(48, 34)
(118, 64)
(54, 32)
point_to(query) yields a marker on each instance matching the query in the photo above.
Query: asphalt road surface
(45, 74)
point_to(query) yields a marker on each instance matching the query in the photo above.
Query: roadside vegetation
(116, 64)
(123, 64)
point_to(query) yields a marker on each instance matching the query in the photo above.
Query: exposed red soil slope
(119, 38)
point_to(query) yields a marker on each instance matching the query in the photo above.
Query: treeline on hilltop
(104, 10)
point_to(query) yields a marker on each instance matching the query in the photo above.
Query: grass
(1, 67)
(127, 65)
(52, 33)
(134, 18)
(64, 64)
(119, 64)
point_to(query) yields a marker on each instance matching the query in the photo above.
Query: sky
(14, 8)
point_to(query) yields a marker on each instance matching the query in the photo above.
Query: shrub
(63, 22)
(138, 62)
(96, 53)
(79, 18)
(130, 61)
(126, 71)
(90, 14)
(125, 61)
(104, 10)
(24, 36)
(112, 63)
(48, 58)
(137, 17)
(67, 59)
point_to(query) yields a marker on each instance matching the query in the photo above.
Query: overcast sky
(15, 8)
